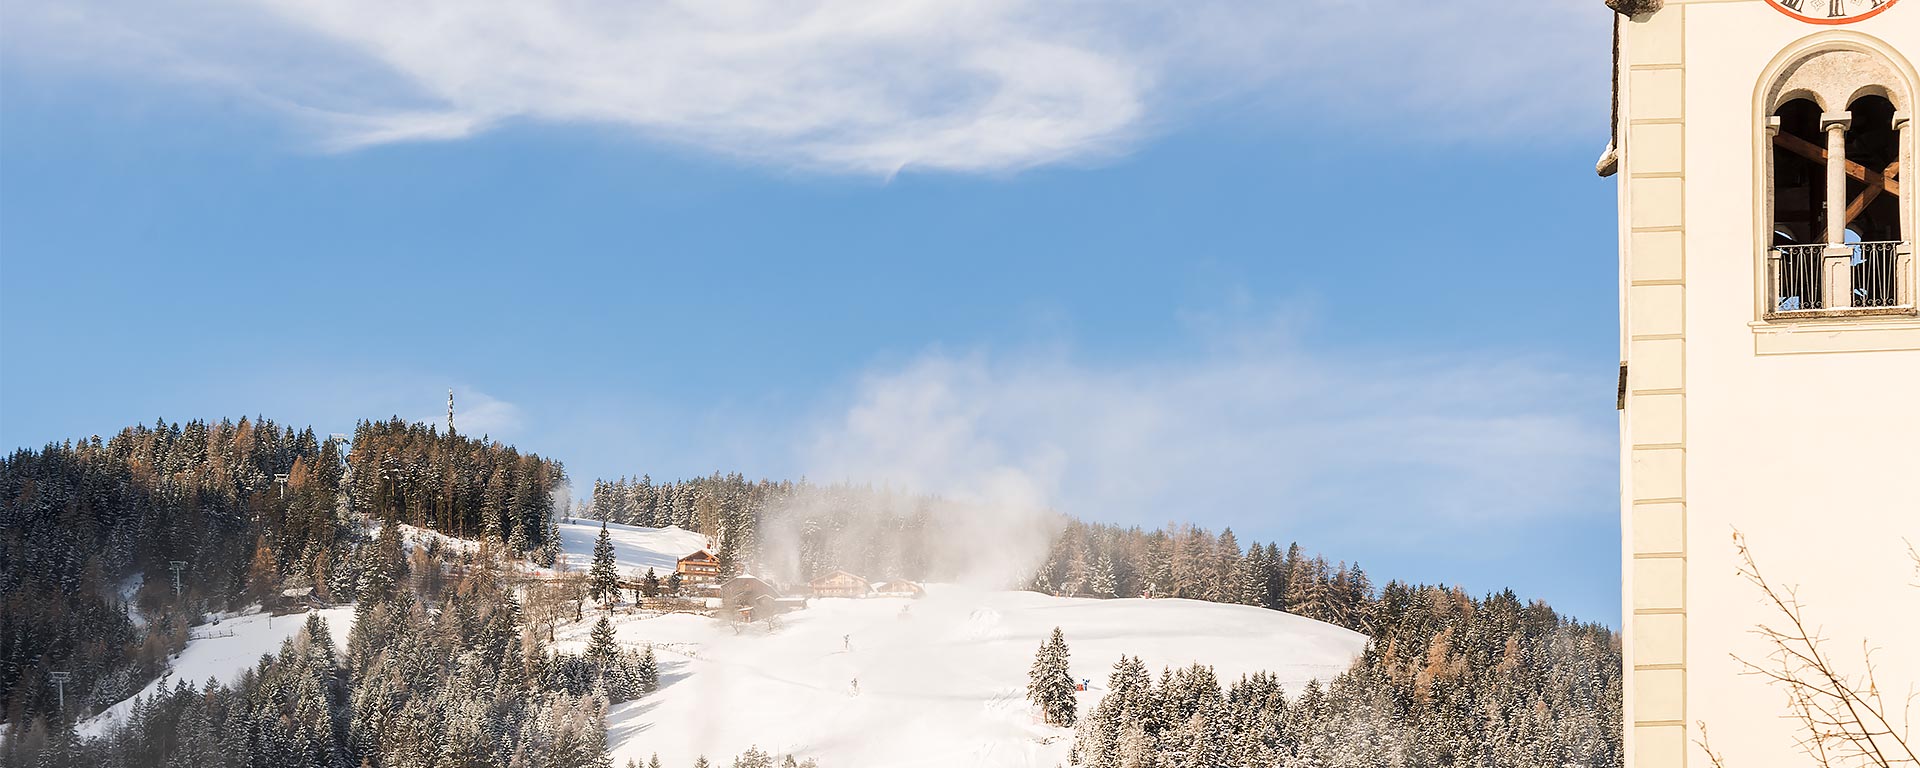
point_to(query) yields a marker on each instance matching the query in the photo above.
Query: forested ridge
(447, 664)
(249, 507)
(1446, 680)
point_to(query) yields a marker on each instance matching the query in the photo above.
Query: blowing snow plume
(1253, 430)
(954, 503)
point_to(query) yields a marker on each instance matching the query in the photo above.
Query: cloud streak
(854, 85)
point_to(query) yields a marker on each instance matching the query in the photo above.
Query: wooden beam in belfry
(1867, 196)
(1818, 154)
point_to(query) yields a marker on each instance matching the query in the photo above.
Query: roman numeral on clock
(1794, 4)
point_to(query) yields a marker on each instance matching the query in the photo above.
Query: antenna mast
(449, 411)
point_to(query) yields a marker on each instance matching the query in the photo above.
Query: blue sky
(1225, 267)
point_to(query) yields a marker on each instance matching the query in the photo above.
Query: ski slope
(635, 549)
(223, 651)
(941, 680)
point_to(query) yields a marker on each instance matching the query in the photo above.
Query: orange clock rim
(1775, 4)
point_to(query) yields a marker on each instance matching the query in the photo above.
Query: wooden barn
(753, 598)
(899, 588)
(840, 584)
(742, 590)
(698, 567)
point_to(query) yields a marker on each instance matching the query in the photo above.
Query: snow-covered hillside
(223, 651)
(635, 549)
(941, 680)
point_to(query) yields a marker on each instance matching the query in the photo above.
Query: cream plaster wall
(1808, 441)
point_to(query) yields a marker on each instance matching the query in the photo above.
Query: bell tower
(1770, 348)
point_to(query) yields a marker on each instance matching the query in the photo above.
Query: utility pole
(177, 566)
(60, 687)
(281, 479)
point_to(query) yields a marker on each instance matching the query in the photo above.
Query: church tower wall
(1745, 409)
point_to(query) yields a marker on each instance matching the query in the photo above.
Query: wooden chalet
(840, 584)
(698, 567)
(899, 588)
(293, 600)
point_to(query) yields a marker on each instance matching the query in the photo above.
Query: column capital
(1832, 120)
(1773, 126)
(1901, 119)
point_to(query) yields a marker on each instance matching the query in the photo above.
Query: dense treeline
(457, 684)
(457, 485)
(249, 508)
(1094, 560)
(1445, 680)
(1449, 680)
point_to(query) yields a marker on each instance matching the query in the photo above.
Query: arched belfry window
(1839, 238)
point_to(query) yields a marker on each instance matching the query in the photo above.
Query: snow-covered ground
(635, 549)
(223, 651)
(941, 680)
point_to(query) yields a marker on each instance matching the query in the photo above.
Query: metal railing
(1796, 277)
(1876, 275)
(1799, 278)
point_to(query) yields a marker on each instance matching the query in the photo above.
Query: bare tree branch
(1844, 719)
(1707, 746)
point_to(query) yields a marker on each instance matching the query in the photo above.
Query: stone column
(1903, 276)
(1837, 266)
(1772, 210)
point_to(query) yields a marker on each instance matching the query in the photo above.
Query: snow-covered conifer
(603, 583)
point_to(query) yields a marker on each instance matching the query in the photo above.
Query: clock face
(1831, 11)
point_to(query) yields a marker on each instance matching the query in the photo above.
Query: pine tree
(548, 552)
(754, 757)
(1289, 569)
(601, 647)
(1050, 682)
(603, 583)
(650, 584)
(1100, 582)
(1224, 584)
(649, 671)
(1253, 577)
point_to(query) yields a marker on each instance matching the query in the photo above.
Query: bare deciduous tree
(1844, 719)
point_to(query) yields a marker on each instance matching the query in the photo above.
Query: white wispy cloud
(1256, 430)
(864, 86)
